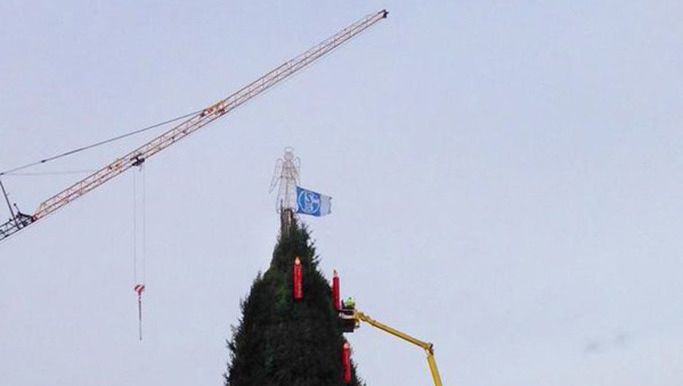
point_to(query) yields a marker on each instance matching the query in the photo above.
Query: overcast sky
(506, 178)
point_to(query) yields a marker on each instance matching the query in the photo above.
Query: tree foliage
(280, 341)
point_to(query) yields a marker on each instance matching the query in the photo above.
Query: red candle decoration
(346, 362)
(335, 291)
(297, 285)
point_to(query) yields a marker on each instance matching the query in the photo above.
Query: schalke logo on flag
(312, 203)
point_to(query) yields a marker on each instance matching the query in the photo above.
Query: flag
(312, 203)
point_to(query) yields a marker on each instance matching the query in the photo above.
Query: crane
(19, 220)
(351, 319)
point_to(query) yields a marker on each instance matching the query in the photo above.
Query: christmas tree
(283, 341)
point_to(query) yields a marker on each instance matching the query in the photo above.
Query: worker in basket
(349, 304)
(349, 322)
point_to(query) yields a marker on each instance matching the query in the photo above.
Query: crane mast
(189, 126)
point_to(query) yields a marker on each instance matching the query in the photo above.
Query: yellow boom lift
(353, 317)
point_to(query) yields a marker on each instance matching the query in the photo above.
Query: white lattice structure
(286, 178)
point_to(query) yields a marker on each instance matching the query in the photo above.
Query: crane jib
(192, 124)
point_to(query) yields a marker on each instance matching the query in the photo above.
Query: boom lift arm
(194, 123)
(358, 316)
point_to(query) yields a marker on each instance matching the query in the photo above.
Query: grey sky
(506, 179)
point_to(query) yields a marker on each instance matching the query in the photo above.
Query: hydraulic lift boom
(356, 317)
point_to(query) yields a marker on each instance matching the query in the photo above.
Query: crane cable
(13, 171)
(139, 261)
(51, 173)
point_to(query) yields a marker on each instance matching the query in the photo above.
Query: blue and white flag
(312, 203)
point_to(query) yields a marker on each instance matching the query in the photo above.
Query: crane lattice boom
(194, 123)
